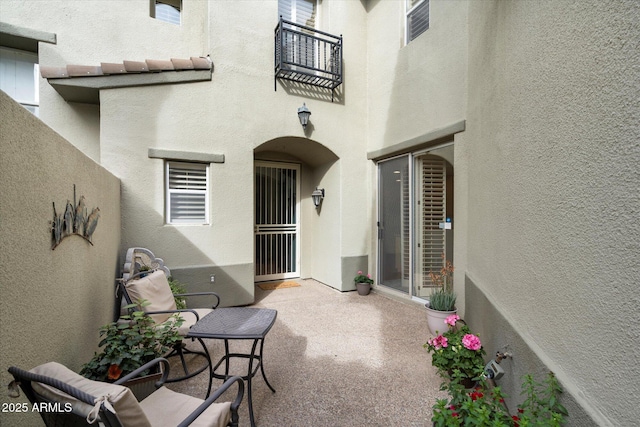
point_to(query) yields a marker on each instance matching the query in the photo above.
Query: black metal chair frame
(179, 349)
(107, 418)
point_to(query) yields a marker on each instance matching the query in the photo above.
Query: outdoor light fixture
(317, 196)
(303, 115)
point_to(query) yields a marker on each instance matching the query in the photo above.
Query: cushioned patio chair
(154, 288)
(137, 284)
(80, 401)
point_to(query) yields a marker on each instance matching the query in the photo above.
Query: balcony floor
(337, 359)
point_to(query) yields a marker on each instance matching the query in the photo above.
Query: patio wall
(53, 301)
(552, 128)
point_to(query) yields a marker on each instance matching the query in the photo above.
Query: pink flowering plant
(362, 278)
(485, 405)
(457, 349)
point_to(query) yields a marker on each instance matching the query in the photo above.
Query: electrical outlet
(493, 370)
(213, 278)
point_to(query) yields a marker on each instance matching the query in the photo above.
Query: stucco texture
(53, 301)
(553, 188)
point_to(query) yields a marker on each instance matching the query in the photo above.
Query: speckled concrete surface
(337, 359)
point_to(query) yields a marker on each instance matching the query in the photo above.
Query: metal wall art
(74, 221)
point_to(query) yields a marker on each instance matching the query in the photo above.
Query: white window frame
(169, 5)
(15, 76)
(169, 192)
(408, 12)
(293, 6)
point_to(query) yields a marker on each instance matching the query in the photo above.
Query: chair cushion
(154, 288)
(121, 398)
(168, 408)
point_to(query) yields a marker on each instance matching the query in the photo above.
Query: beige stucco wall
(416, 89)
(553, 185)
(234, 114)
(53, 301)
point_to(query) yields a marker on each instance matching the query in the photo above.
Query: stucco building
(504, 134)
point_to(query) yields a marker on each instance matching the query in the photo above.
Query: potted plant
(129, 343)
(485, 406)
(177, 289)
(457, 352)
(363, 283)
(442, 301)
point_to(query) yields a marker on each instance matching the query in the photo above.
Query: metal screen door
(277, 243)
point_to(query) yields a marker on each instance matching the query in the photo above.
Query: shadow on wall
(53, 301)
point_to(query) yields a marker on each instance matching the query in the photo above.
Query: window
(417, 18)
(166, 10)
(19, 77)
(302, 12)
(187, 193)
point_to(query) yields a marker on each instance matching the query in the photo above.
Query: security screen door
(277, 242)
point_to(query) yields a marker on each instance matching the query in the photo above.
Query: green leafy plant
(443, 298)
(178, 288)
(457, 349)
(485, 406)
(362, 278)
(131, 342)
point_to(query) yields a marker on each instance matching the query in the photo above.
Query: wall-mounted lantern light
(317, 196)
(303, 115)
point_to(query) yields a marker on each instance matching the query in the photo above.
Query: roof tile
(200, 63)
(182, 64)
(83, 70)
(136, 67)
(53, 72)
(111, 68)
(159, 65)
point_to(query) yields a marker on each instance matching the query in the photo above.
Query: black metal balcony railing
(306, 55)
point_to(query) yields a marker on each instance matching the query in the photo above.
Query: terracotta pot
(363, 288)
(435, 319)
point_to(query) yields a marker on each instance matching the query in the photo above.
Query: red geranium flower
(114, 372)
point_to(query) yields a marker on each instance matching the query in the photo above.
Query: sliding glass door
(415, 219)
(393, 224)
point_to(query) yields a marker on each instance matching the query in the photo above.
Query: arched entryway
(286, 171)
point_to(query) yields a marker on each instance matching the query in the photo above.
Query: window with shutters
(417, 21)
(187, 193)
(19, 77)
(166, 10)
(301, 12)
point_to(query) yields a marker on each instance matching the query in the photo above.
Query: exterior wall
(415, 91)
(234, 114)
(53, 301)
(546, 172)
(421, 86)
(552, 129)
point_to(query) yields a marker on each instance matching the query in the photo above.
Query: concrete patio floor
(337, 359)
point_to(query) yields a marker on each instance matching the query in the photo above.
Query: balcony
(306, 55)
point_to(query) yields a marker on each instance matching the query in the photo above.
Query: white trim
(409, 12)
(169, 192)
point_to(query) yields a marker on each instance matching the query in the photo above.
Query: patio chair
(69, 399)
(154, 288)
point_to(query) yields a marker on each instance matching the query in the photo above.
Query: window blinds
(417, 18)
(302, 12)
(187, 193)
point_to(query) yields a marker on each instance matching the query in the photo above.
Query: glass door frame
(411, 160)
